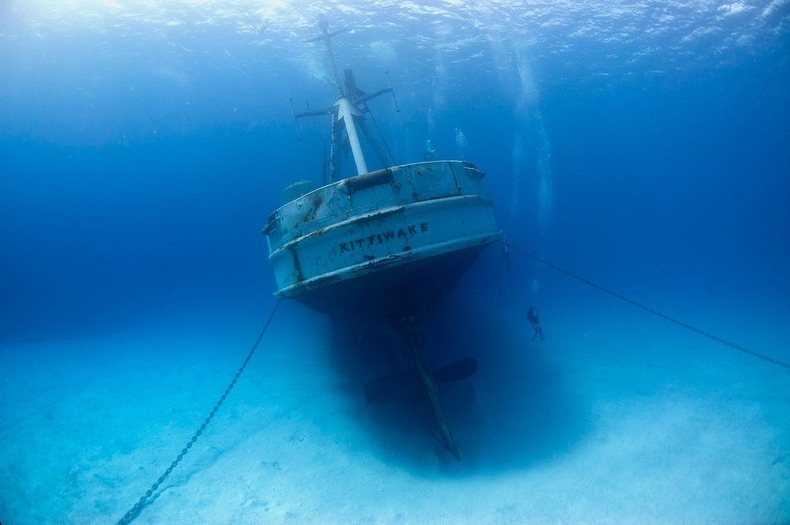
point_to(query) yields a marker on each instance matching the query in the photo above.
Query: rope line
(381, 135)
(140, 505)
(650, 310)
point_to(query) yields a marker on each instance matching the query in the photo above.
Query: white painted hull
(385, 243)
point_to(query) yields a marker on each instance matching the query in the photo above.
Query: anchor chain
(648, 309)
(140, 505)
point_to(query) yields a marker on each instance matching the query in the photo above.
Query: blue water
(645, 148)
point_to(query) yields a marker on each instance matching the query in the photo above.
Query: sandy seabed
(604, 422)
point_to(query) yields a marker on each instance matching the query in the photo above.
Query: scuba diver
(534, 320)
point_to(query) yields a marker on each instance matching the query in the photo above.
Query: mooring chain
(138, 507)
(649, 309)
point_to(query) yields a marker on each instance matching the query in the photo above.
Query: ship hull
(385, 244)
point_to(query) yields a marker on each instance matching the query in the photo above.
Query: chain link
(140, 505)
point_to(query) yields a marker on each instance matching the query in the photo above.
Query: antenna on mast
(395, 100)
(296, 120)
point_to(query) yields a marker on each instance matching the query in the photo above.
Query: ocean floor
(615, 418)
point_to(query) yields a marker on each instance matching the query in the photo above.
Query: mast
(347, 113)
(326, 36)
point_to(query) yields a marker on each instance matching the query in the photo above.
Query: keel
(416, 351)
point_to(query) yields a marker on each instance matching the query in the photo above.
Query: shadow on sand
(512, 413)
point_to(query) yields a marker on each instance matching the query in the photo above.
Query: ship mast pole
(327, 38)
(346, 112)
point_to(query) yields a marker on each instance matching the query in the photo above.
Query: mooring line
(140, 505)
(648, 309)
